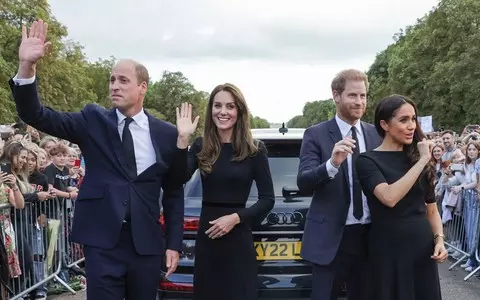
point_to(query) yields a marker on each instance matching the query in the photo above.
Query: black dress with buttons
(401, 237)
(226, 267)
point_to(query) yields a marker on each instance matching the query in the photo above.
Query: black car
(281, 271)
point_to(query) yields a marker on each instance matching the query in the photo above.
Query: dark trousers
(348, 267)
(121, 273)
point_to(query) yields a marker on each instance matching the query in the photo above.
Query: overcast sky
(280, 53)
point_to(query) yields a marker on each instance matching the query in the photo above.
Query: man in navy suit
(335, 235)
(130, 156)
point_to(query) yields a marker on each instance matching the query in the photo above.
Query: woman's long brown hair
(242, 141)
(12, 149)
(468, 160)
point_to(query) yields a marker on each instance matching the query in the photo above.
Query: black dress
(401, 238)
(226, 268)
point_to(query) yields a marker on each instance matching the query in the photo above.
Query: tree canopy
(434, 62)
(313, 112)
(68, 80)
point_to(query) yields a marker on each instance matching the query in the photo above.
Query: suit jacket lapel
(369, 137)
(112, 129)
(336, 136)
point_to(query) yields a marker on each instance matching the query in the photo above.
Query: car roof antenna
(283, 129)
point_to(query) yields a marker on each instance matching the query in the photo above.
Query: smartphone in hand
(6, 167)
(456, 167)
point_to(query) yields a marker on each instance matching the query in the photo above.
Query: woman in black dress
(406, 237)
(229, 160)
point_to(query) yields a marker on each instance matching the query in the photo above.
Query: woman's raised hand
(185, 126)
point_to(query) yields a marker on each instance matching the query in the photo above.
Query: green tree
(165, 95)
(99, 73)
(63, 82)
(378, 78)
(313, 112)
(298, 121)
(257, 122)
(435, 62)
(68, 81)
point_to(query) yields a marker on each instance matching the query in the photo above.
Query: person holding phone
(14, 169)
(13, 175)
(73, 164)
(131, 156)
(6, 167)
(406, 239)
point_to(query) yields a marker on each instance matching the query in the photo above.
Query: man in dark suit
(130, 157)
(335, 235)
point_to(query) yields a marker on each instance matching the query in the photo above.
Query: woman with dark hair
(229, 160)
(406, 237)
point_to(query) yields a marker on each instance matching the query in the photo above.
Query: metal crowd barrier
(462, 236)
(38, 248)
(76, 257)
(37, 242)
(476, 253)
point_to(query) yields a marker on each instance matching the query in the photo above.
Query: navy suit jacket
(328, 210)
(106, 188)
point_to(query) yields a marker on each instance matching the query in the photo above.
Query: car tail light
(189, 223)
(179, 287)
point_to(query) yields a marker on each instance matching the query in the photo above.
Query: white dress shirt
(23, 81)
(142, 142)
(346, 130)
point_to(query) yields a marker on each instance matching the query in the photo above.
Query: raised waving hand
(185, 125)
(33, 45)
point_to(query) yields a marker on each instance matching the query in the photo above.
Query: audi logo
(281, 218)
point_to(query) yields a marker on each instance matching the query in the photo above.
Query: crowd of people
(40, 178)
(457, 185)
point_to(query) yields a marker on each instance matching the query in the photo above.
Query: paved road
(453, 287)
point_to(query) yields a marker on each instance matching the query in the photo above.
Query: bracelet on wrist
(438, 235)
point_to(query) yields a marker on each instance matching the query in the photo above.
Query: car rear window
(283, 159)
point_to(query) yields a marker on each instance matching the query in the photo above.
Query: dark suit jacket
(101, 203)
(328, 211)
